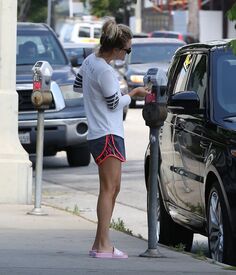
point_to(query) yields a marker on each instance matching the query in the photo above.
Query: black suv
(198, 150)
(65, 121)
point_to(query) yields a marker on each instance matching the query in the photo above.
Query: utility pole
(138, 16)
(15, 167)
(193, 18)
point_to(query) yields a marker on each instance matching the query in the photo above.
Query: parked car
(146, 53)
(197, 161)
(81, 31)
(186, 37)
(77, 52)
(65, 130)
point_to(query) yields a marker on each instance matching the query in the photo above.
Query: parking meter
(41, 96)
(154, 114)
(154, 109)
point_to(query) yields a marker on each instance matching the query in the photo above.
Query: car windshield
(80, 53)
(152, 53)
(33, 46)
(226, 82)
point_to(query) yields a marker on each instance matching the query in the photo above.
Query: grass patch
(75, 211)
(199, 253)
(230, 268)
(120, 226)
(179, 247)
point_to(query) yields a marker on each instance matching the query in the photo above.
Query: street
(76, 189)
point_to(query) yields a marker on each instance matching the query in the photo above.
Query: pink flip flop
(116, 254)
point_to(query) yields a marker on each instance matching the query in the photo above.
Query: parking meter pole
(39, 166)
(152, 251)
(41, 98)
(154, 114)
(152, 192)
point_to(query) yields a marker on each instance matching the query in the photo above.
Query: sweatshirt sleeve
(110, 87)
(78, 84)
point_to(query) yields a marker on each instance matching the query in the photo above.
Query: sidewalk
(58, 244)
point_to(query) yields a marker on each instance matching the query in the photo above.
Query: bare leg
(110, 178)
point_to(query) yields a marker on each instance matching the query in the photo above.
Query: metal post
(152, 250)
(138, 16)
(49, 15)
(39, 166)
(152, 194)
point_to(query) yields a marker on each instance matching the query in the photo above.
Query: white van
(81, 32)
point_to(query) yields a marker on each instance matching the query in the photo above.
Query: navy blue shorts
(107, 146)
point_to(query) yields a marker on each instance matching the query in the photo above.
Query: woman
(104, 109)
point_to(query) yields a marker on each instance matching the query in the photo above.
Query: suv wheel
(222, 244)
(78, 156)
(171, 233)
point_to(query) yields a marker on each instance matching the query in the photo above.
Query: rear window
(97, 32)
(151, 53)
(38, 45)
(164, 34)
(84, 32)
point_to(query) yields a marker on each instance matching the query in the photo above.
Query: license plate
(24, 137)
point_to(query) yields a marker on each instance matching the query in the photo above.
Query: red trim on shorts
(108, 152)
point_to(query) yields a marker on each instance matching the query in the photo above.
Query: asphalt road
(76, 189)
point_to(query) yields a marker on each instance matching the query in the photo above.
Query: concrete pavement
(58, 244)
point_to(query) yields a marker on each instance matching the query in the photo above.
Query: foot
(115, 254)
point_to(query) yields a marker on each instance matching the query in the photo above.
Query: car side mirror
(186, 102)
(74, 60)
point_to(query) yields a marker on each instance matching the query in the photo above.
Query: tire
(171, 233)
(78, 156)
(222, 244)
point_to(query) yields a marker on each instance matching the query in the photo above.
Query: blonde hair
(114, 36)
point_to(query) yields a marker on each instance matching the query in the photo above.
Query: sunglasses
(128, 51)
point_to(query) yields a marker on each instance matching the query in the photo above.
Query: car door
(187, 137)
(177, 76)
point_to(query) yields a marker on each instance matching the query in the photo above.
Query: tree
(34, 11)
(193, 18)
(23, 8)
(231, 14)
(120, 9)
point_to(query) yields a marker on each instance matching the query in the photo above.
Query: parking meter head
(42, 71)
(42, 96)
(154, 110)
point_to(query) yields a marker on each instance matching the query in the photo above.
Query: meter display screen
(38, 64)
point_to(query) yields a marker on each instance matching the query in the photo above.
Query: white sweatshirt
(102, 97)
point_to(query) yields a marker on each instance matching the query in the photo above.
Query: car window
(84, 31)
(97, 32)
(79, 52)
(46, 48)
(198, 78)
(151, 53)
(181, 75)
(226, 82)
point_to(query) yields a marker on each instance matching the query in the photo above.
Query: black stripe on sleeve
(112, 101)
(78, 81)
